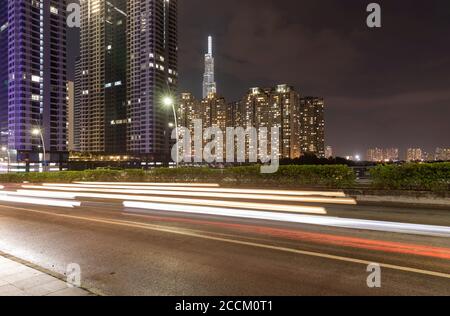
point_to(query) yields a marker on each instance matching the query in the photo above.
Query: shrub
(426, 177)
(328, 176)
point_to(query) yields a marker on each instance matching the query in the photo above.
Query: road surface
(182, 240)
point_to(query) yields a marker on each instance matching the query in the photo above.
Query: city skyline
(378, 101)
(382, 87)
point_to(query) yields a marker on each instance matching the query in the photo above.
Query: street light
(169, 101)
(38, 132)
(5, 149)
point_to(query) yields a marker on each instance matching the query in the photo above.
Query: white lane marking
(153, 184)
(213, 190)
(38, 201)
(416, 229)
(236, 242)
(231, 204)
(346, 201)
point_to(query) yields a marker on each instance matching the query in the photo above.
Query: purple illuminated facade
(33, 79)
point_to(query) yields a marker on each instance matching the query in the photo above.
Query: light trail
(415, 229)
(196, 189)
(152, 184)
(202, 235)
(39, 201)
(346, 201)
(231, 204)
(320, 238)
(40, 194)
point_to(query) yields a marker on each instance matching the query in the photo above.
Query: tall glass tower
(152, 75)
(33, 80)
(209, 84)
(102, 108)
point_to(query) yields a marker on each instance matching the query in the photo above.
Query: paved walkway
(17, 279)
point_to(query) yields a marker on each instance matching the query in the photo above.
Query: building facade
(414, 154)
(312, 126)
(152, 75)
(442, 154)
(70, 116)
(103, 113)
(77, 107)
(128, 65)
(382, 155)
(299, 121)
(329, 153)
(277, 107)
(33, 80)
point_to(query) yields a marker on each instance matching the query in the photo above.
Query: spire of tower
(210, 45)
(209, 84)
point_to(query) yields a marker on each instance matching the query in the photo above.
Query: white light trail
(196, 189)
(42, 194)
(346, 201)
(152, 184)
(231, 204)
(38, 201)
(417, 229)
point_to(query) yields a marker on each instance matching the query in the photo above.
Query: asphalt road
(180, 248)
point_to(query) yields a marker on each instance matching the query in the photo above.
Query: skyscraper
(277, 107)
(103, 112)
(312, 126)
(152, 74)
(414, 154)
(70, 116)
(209, 83)
(329, 152)
(77, 107)
(383, 155)
(33, 80)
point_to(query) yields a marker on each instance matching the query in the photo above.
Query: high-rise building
(103, 108)
(128, 65)
(277, 107)
(70, 116)
(375, 155)
(234, 115)
(214, 109)
(209, 83)
(312, 126)
(33, 80)
(329, 152)
(77, 107)
(442, 154)
(189, 110)
(391, 154)
(383, 155)
(152, 75)
(414, 154)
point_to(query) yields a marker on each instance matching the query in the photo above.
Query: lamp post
(5, 149)
(170, 101)
(38, 132)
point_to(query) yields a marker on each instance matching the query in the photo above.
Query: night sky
(388, 87)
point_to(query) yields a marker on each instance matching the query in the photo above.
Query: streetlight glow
(168, 101)
(36, 132)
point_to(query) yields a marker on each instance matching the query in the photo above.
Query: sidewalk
(17, 279)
